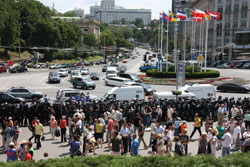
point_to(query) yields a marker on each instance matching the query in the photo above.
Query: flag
(172, 17)
(214, 16)
(190, 13)
(199, 13)
(207, 16)
(161, 15)
(199, 19)
(181, 15)
(165, 16)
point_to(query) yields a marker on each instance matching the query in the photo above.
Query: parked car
(103, 62)
(7, 98)
(5, 64)
(89, 63)
(233, 87)
(246, 65)
(233, 63)
(65, 65)
(54, 66)
(18, 69)
(53, 77)
(75, 74)
(104, 68)
(9, 63)
(24, 93)
(3, 69)
(98, 62)
(63, 72)
(147, 66)
(224, 65)
(239, 64)
(85, 83)
(94, 76)
(77, 64)
(64, 95)
(147, 88)
(84, 71)
(123, 69)
(41, 65)
(133, 57)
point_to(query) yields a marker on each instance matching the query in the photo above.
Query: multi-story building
(107, 12)
(229, 36)
(79, 12)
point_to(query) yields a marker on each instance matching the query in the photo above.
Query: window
(236, 7)
(244, 14)
(227, 25)
(235, 16)
(218, 33)
(227, 17)
(244, 4)
(243, 24)
(235, 24)
(228, 7)
(220, 9)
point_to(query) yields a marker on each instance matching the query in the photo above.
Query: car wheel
(35, 98)
(74, 85)
(93, 88)
(85, 87)
(106, 83)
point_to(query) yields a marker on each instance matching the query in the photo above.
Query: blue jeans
(225, 150)
(148, 120)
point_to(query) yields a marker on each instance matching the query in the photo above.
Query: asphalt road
(36, 80)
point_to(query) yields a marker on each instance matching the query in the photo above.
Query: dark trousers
(63, 134)
(129, 143)
(196, 128)
(33, 135)
(247, 124)
(38, 140)
(125, 144)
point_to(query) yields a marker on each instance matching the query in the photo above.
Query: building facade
(86, 25)
(107, 12)
(229, 36)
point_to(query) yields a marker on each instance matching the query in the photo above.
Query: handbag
(57, 133)
(43, 138)
(92, 140)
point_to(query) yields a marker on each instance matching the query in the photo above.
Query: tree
(90, 40)
(69, 14)
(109, 38)
(139, 22)
(127, 32)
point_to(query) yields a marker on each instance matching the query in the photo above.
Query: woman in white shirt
(160, 145)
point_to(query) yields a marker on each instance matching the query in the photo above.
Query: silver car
(53, 77)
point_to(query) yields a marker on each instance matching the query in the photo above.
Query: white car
(64, 95)
(85, 71)
(117, 81)
(63, 72)
(54, 66)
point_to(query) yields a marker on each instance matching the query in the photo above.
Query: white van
(125, 93)
(111, 72)
(200, 90)
(117, 81)
(169, 95)
(64, 95)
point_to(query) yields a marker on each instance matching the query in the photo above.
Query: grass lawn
(91, 58)
(13, 55)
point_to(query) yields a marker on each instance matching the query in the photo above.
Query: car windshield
(145, 85)
(128, 80)
(76, 74)
(111, 72)
(134, 76)
(84, 69)
(54, 74)
(62, 70)
(94, 74)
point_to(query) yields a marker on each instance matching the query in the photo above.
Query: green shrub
(236, 159)
(189, 75)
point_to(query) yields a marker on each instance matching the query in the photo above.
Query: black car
(18, 69)
(232, 87)
(89, 63)
(94, 76)
(104, 68)
(5, 97)
(103, 62)
(246, 65)
(239, 64)
(130, 76)
(123, 69)
(98, 62)
(147, 88)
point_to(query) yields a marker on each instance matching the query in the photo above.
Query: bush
(237, 159)
(189, 75)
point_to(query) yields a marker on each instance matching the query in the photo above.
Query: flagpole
(175, 45)
(206, 46)
(184, 41)
(161, 44)
(159, 35)
(200, 42)
(167, 48)
(192, 39)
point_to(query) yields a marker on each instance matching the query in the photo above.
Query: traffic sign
(200, 58)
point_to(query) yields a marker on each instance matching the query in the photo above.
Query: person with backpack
(197, 125)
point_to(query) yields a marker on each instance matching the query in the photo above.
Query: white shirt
(79, 124)
(170, 112)
(106, 114)
(237, 131)
(124, 131)
(153, 127)
(246, 135)
(102, 121)
(170, 135)
(90, 134)
(234, 111)
(227, 140)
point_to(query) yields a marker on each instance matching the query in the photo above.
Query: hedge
(236, 159)
(189, 75)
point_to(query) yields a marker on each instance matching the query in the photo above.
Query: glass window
(244, 14)
(236, 7)
(243, 24)
(244, 4)
(235, 24)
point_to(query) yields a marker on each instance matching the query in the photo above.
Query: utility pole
(104, 51)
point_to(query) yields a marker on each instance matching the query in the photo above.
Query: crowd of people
(87, 124)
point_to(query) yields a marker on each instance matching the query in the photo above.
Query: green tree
(139, 22)
(109, 38)
(69, 14)
(127, 32)
(90, 40)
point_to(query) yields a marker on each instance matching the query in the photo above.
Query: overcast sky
(155, 5)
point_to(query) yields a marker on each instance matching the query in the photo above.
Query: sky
(156, 6)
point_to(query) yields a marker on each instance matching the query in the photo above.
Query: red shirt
(27, 157)
(63, 123)
(110, 124)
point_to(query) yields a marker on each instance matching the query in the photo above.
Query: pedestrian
(63, 127)
(170, 139)
(17, 130)
(179, 147)
(116, 144)
(99, 133)
(197, 125)
(177, 124)
(202, 144)
(160, 145)
(32, 129)
(247, 120)
(154, 143)
(75, 147)
(226, 142)
(125, 133)
(30, 149)
(136, 122)
(221, 130)
(109, 129)
(213, 142)
(27, 155)
(220, 112)
(91, 141)
(53, 127)
(8, 135)
(184, 139)
(135, 146)
(21, 150)
(11, 152)
(237, 137)
(141, 134)
(39, 132)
